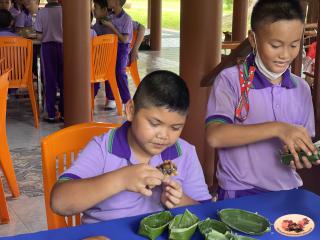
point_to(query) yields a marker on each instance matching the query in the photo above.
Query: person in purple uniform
(259, 107)
(26, 19)
(116, 176)
(49, 29)
(16, 8)
(6, 22)
(120, 23)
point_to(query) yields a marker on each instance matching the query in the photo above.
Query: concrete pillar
(310, 176)
(200, 52)
(155, 30)
(76, 43)
(149, 14)
(239, 20)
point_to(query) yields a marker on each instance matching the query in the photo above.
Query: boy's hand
(296, 138)
(172, 193)
(138, 178)
(106, 23)
(133, 55)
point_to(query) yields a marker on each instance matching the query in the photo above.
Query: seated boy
(6, 23)
(116, 176)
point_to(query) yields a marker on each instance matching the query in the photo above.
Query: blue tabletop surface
(271, 205)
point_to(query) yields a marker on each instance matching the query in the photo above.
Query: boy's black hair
(101, 3)
(270, 11)
(5, 18)
(162, 89)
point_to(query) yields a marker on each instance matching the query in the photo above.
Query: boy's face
(99, 12)
(29, 4)
(153, 129)
(278, 43)
(5, 4)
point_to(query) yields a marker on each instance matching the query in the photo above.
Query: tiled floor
(28, 212)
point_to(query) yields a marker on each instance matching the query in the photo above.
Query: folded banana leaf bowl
(183, 226)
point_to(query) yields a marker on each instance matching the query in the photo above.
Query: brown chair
(4, 214)
(103, 66)
(58, 151)
(17, 54)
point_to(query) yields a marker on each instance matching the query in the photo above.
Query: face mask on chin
(262, 68)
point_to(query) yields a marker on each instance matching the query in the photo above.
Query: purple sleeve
(90, 161)
(194, 185)
(21, 20)
(224, 97)
(135, 25)
(126, 27)
(38, 23)
(93, 33)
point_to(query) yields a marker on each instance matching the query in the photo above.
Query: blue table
(271, 205)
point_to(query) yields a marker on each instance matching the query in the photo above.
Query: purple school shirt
(101, 29)
(6, 32)
(93, 33)
(49, 23)
(111, 151)
(258, 165)
(23, 20)
(123, 24)
(135, 25)
(14, 12)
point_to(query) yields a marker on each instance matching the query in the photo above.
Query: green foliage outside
(138, 10)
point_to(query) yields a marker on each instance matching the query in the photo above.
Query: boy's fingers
(153, 181)
(174, 192)
(145, 191)
(292, 165)
(174, 200)
(306, 162)
(295, 156)
(301, 145)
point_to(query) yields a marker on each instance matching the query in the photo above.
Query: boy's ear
(251, 37)
(129, 109)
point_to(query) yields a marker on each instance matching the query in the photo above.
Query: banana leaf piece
(286, 158)
(207, 225)
(245, 221)
(153, 225)
(215, 235)
(183, 226)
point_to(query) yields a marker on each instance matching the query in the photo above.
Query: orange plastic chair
(5, 158)
(4, 214)
(133, 67)
(17, 53)
(58, 151)
(103, 66)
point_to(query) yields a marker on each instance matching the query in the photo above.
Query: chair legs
(34, 105)
(7, 167)
(133, 68)
(4, 214)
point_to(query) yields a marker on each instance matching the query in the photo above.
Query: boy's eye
(154, 124)
(294, 46)
(176, 128)
(275, 46)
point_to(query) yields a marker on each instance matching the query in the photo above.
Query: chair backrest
(58, 151)
(17, 54)
(103, 57)
(4, 84)
(134, 39)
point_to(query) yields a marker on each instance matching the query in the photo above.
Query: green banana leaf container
(153, 225)
(207, 225)
(183, 226)
(286, 158)
(215, 235)
(245, 221)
